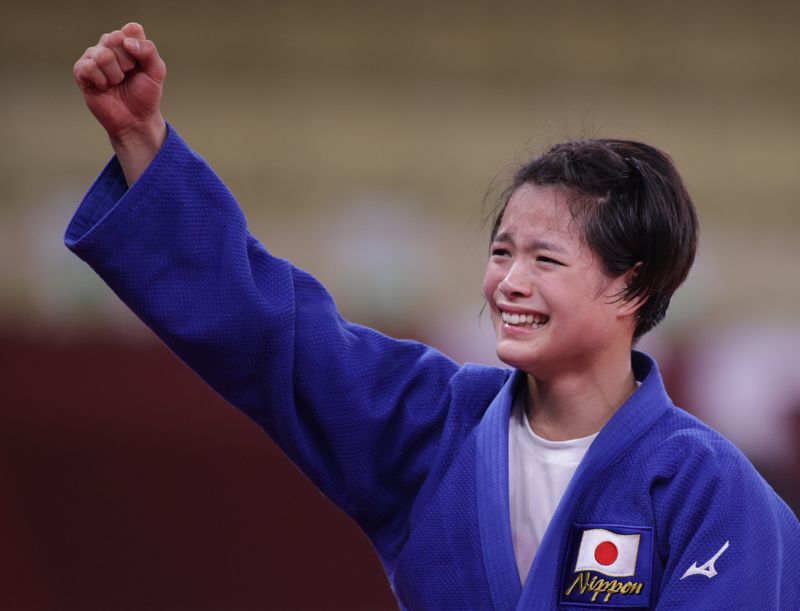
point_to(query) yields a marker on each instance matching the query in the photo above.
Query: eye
(543, 259)
(500, 252)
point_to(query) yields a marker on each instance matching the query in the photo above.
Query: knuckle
(80, 70)
(94, 68)
(102, 55)
(115, 38)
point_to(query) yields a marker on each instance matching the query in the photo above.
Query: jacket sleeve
(358, 412)
(726, 539)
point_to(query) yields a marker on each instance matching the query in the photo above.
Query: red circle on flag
(606, 553)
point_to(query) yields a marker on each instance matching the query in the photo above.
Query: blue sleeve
(726, 539)
(358, 412)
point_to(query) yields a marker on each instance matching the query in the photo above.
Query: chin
(513, 356)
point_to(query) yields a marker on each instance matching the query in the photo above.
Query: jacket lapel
(493, 512)
(631, 420)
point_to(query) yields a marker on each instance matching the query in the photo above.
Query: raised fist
(122, 78)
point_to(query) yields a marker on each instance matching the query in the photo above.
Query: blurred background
(361, 140)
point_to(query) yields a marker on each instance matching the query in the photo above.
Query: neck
(576, 404)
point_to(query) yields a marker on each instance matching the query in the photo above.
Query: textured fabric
(414, 447)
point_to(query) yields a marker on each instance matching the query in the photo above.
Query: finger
(145, 52)
(113, 40)
(89, 75)
(107, 61)
(134, 30)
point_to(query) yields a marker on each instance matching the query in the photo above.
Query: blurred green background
(361, 140)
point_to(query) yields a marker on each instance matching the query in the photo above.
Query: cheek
(490, 281)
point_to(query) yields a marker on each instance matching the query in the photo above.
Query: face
(552, 307)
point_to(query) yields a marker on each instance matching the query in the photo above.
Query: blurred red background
(126, 483)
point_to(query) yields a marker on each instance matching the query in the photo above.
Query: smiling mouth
(533, 321)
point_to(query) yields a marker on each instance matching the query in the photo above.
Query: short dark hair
(633, 209)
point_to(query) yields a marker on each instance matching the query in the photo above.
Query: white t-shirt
(538, 473)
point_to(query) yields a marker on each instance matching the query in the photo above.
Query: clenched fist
(122, 78)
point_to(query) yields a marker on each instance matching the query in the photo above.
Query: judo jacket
(661, 513)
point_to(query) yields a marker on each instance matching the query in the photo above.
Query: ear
(628, 307)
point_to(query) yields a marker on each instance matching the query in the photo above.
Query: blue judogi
(414, 447)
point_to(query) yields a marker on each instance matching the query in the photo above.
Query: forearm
(136, 148)
(267, 336)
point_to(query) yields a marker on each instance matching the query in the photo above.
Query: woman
(570, 480)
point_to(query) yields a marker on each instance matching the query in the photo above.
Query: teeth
(532, 320)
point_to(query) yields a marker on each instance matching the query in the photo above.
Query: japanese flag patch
(608, 566)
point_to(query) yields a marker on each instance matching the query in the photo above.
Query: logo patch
(707, 569)
(608, 566)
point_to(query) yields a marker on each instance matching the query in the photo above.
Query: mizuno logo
(708, 569)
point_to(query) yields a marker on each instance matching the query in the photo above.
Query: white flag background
(616, 560)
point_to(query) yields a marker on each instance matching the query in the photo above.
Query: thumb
(146, 54)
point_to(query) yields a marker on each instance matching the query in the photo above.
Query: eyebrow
(532, 245)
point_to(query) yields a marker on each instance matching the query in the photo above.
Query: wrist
(137, 146)
(144, 138)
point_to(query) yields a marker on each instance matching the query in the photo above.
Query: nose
(516, 283)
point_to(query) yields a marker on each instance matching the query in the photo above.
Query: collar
(631, 420)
